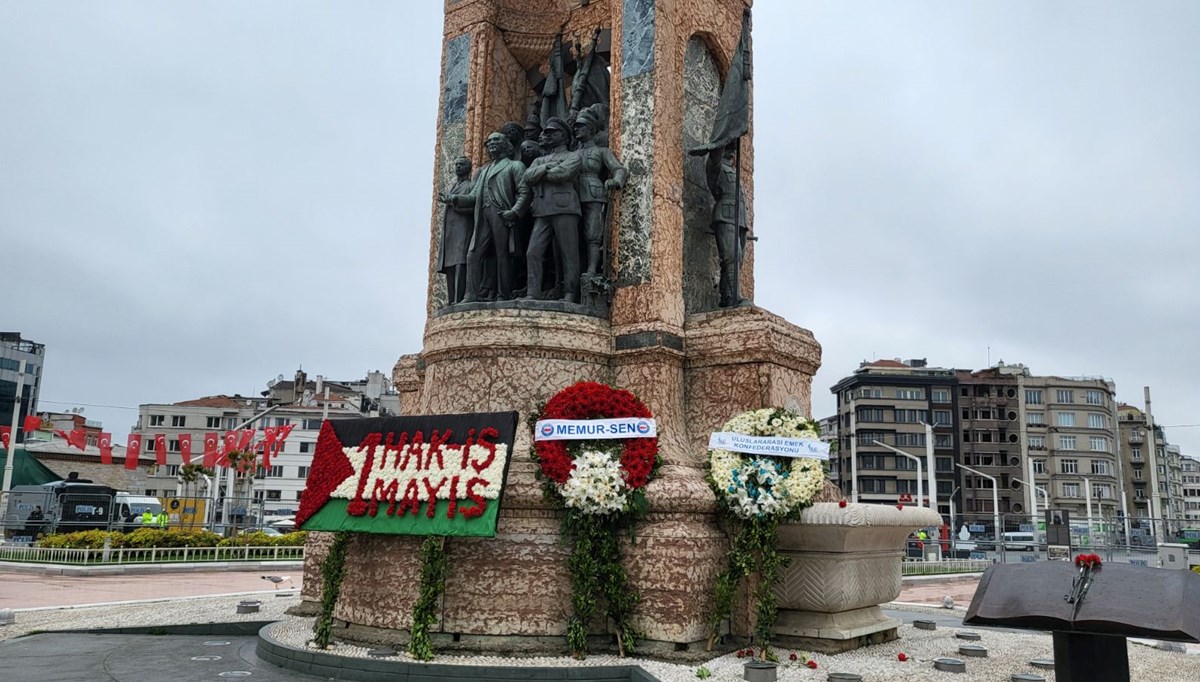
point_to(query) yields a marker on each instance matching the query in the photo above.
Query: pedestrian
(147, 519)
(33, 523)
(162, 520)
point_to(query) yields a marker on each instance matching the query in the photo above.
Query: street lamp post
(995, 499)
(1037, 490)
(920, 485)
(853, 453)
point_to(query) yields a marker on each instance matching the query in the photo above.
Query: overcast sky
(198, 196)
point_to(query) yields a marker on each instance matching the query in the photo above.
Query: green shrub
(259, 539)
(84, 539)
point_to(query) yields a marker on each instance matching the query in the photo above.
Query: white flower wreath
(760, 485)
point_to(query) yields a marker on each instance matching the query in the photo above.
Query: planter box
(845, 562)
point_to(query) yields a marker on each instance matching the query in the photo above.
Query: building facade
(13, 351)
(301, 403)
(884, 407)
(1190, 472)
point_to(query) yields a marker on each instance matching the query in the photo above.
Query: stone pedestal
(845, 562)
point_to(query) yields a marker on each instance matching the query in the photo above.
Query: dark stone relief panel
(701, 95)
(637, 37)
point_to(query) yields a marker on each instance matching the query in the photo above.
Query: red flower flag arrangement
(597, 447)
(5, 436)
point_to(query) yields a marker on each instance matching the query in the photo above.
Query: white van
(128, 509)
(1020, 540)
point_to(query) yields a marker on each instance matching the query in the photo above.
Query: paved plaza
(32, 648)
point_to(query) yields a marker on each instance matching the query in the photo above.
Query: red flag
(160, 448)
(5, 435)
(281, 436)
(132, 447)
(77, 439)
(268, 445)
(246, 440)
(105, 448)
(32, 423)
(210, 449)
(185, 448)
(231, 443)
(61, 434)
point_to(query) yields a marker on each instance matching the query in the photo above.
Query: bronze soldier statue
(457, 226)
(596, 162)
(524, 227)
(729, 231)
(556, 210)
(499, 197)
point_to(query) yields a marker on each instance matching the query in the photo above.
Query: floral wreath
(601, 484)
(600, 476)
(758, 492)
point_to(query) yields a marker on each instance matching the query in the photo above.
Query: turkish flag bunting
(105, 448)
(246, 440)
(160, 448)
(132, 447)
(281, 436)
(185, 448)
(5, 436)
(268, 445)
(77, 439)
(32, 423)
(61, 434)
(231, 443)
(210, 450)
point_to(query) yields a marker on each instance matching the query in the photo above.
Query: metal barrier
(148, 555)
(944, 567)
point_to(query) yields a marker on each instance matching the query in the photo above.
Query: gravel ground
(1008, 653)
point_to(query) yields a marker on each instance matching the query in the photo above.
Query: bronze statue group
(532, 223)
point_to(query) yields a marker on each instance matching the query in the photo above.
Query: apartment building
(300, 402)
(989, 410)
(1145, 456)
(1070, 423)
(1190, 472)
(890, 405)
(14, 351)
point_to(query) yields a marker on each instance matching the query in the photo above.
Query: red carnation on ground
(793, 656)
(812, 664)
(902, 656)
(899, 506)
(841, 503)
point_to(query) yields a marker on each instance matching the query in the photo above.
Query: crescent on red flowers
(590, 400)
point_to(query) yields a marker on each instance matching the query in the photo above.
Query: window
(311, 425)
(943, 488)
(870, 414)
(282, 421)
(1103, 491)
(1064, 396)
(157, 419)
(872, 485)
(943, 440)
(1066, 419)
(1069, 466)
(231, 423)
(905, 464)
(945, 464)
(869, 437)
(274, 495)
(1097, 421)
(1137, 474)
(178, 420)
(1096, 398)
(911, 416)
(1039, 466)
(909, 394)
(983, 436)
(1136, 454)
(1033, 396)
(911, 439)
(939, 395)
(275, 471)
(1035, 418)
(983, 414)
(212, 422)
(1070, 489)
(871, 461)
(1066, 442)
(1037, 442)
(870, 392)
(966, 436)
(170, 470)
(302, 472)
(305, 448)
(1098, 443)
(1099, 467)
(941, 417)
(173, 445)
(964, 391)
(906, 486)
